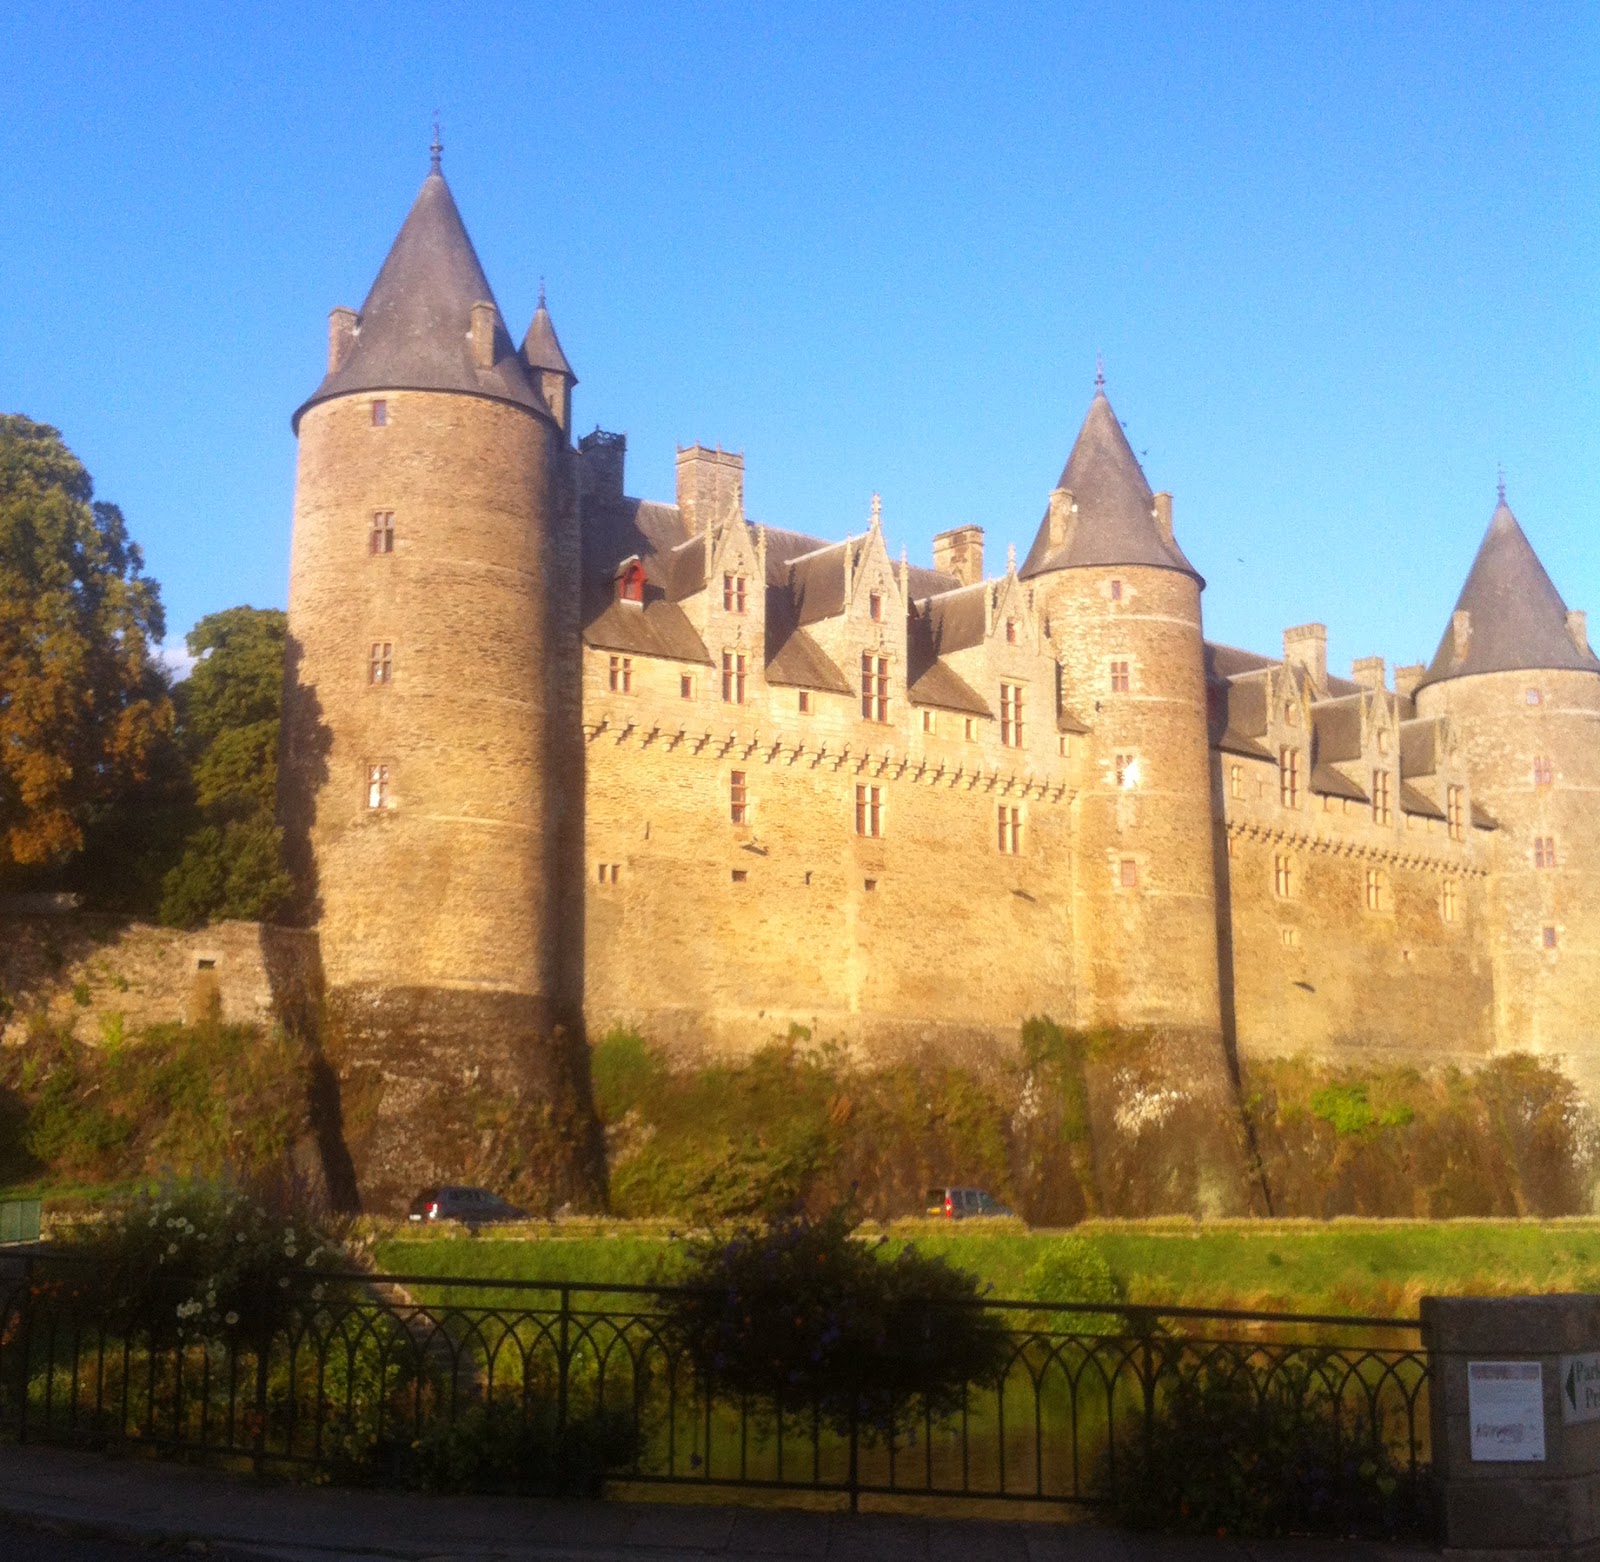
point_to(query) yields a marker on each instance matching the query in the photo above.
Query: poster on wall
(1505, 1403)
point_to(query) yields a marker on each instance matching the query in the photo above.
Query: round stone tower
(1122, 605)
(433, 753)
(1515, 673)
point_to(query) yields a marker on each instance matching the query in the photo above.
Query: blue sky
(1341, 261)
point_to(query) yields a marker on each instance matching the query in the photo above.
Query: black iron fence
(375, 1377)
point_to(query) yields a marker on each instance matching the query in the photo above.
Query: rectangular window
(1236, 781)
(733, 593)
(1065, 744)
(874, 687)
(1011, 631)
(869, 810)
(1125, 769)
(1011, 714)
(805, 702)
(1544, 770)
(1382, 809)
(1447, 900)
(738, 804)
(1128, 873)
(380, 414)
(1282, 875)
(380, 664)
(1455, 811)
(1116, 591)
(1289, 777)
(733, 677)
(1549, 938)
(1376, 885)
(621, 676)
(1010, 829)
(739, 875)
(927, 720)
(1291, 714)
(381, 537)
(875, 607)
(1544, 851)
(970, 728)
(1534, 697)
(608, 872)
(1119, 678)
(377, 786)
(1289, 937)
(686, 686)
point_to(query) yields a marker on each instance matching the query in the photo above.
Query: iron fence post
(855, 1444)
(25, 1341)
(258, 1457)
(563, 1359)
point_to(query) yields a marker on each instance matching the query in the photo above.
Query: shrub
(1072, 1270)
(1234, 1448)
(204, 1263)
(800, 1314)
(518, 1450)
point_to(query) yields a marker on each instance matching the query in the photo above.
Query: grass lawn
(1348, 1266)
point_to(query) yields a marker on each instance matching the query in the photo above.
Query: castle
(560, 759)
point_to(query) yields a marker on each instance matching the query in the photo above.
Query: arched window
(630, 582)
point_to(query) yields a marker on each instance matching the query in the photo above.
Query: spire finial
(1099, 374)
(541, 292)
(437, 149)
(1502, 482)
(877, 511)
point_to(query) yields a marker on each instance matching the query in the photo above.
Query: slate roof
(1419, 748)
(655, 628)
(942, 686)
(1413, 801)
(1517, 616)
(954, 619)
(540, 348)
(413, 331)
(1337, 725)
(1326, 781)
(1115, 523)
(800, 662)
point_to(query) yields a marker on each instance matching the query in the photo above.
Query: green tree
(229, 711)
(84, 703)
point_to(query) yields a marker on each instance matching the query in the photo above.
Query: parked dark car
(963, 1203)
(471, 1206)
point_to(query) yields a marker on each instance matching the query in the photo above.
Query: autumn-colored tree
(228, 717)
(84, 703)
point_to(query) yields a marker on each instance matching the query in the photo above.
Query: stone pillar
(1497, 1499)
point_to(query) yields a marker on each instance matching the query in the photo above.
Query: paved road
(23, 1543)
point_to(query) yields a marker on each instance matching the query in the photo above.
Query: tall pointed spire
(540, 347)
(1115, 521)
(1515, 617)
(415, 329)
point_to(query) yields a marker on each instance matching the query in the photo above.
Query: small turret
(542, 353)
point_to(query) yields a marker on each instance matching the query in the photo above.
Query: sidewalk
(149, 1500)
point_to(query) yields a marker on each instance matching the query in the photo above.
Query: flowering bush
(799, 1315)
(203, 1263)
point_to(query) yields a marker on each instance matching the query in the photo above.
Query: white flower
(317, 1293)
(172, 1247)
(240, 1237)
(284, 1282)
(231, 1318)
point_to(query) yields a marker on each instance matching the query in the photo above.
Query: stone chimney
(959, 552)
(1163, 514)
(1369, 672)
(1061, 508)
(1306, 646)
(1578, 628)
(601, 459)
(1407, 678)
(710, 486)
(341, 337)
(482, 334)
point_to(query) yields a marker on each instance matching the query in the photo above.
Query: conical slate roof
(1115, 523)
(1516, 617)
(414, 330)
(540, 349)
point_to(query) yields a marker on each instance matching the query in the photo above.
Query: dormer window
(875, 607)
(733, 594)
(1291, 714)
(630, 582)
